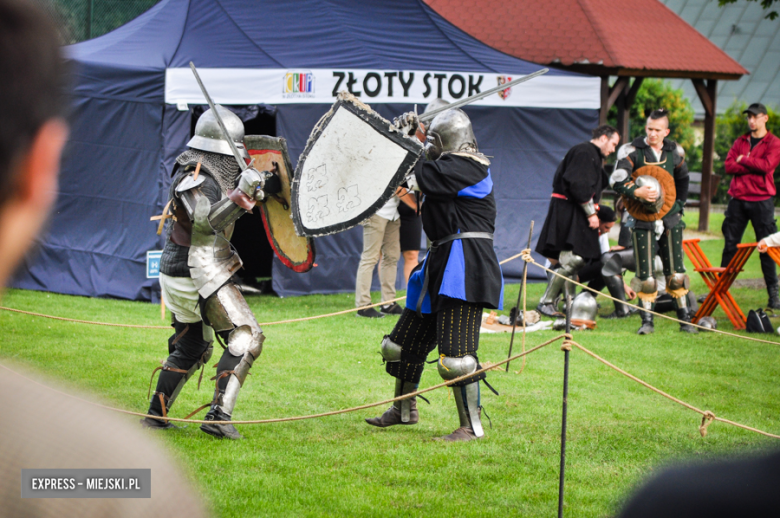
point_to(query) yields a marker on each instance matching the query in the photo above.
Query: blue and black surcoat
(458, 198)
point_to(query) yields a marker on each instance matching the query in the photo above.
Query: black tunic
(458, 198)
(580, 177)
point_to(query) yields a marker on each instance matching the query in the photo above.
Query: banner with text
(281, 86)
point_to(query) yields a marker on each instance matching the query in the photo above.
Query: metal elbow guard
(391, 351)
(618, 176)
(451, 368)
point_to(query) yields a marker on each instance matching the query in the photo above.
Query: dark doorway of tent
(249, 238)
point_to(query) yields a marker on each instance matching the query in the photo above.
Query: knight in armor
(444, 303)
(209, 192)
(569, 236)
(651, 192)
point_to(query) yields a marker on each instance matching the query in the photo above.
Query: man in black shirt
(569, 236)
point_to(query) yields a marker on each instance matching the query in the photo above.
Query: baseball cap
(756, 109)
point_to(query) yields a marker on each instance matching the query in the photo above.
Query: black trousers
(591, 273)
(762, 215)
(454, 330)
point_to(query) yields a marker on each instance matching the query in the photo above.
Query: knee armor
(571, 263)
(677, 281)
(391, 351)
(227, 310)
(451, 368)
(644, 286)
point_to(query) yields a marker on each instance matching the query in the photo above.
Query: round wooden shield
(637, 209)
(295, 252)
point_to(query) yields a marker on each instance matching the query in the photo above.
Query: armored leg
(677, 281)
(612, 274)
(189, 348)
(229, 314)
(617, 290)
(570, 265)
(404, 351)
(458, 337)
(466, 397)
(644, 283)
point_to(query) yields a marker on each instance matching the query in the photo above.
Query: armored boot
(226, 431)
(548, 304)
(469, 414)
(647, 324)
(617, 290)
(401, 412)
(684, 313)
(774, 296)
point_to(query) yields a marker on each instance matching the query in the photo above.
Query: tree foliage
(766, 4)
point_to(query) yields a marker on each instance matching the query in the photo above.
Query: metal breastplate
(212, 260)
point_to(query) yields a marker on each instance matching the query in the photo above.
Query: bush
(729, 126)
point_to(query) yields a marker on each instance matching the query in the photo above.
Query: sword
(425, 117)
(225, 133)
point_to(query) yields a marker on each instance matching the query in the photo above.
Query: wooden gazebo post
(708, 96)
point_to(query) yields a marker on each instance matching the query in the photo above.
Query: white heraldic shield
(353, 163)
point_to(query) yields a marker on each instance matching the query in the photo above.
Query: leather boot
(469, 414)
(220, 431)
(392, 416)
(684, 315)
(774, 296)
(401, 412)
(647, 323)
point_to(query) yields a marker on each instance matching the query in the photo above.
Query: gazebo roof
(599, 37)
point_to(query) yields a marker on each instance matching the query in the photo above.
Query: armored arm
(620, 180)
(253, 186)
(681, 177)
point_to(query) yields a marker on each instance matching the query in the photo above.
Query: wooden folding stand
(719, 280)
(774, 253)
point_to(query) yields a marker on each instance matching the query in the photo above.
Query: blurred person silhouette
(45, 428)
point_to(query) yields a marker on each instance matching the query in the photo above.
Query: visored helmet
(208, 135)
(450, 131)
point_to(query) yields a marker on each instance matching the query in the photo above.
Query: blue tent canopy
(125, 136)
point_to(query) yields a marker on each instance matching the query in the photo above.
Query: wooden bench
(694, 187)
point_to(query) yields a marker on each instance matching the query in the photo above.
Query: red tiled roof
(627, 34)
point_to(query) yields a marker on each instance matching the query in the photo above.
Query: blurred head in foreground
(32, 128)
(46, 428)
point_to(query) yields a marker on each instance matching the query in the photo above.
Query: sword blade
(225, 133)
(425, 117)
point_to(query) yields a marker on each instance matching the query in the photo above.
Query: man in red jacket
(752, 160)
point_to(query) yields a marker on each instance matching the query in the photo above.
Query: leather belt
(434, 246)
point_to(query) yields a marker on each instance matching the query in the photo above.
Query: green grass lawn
(619, 432)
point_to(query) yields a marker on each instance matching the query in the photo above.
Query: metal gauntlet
(589, 207)
(251, 182)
